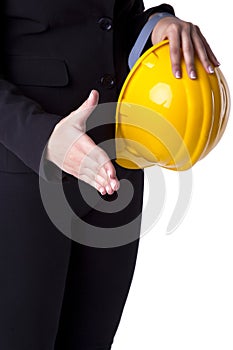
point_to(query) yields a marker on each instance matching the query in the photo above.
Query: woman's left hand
(187, 37)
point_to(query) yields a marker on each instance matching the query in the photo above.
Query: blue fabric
(143, 37)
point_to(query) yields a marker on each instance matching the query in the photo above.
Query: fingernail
(109, 189)
(114, 185)
(193, 75)
(178, 74)
(102, 191)
(211, 69)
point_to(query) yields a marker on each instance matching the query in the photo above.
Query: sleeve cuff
(50, 172)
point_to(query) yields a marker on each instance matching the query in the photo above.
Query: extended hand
(73, 151)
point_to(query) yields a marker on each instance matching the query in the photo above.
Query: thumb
(85, 110)
(81, 114)
(91, 101)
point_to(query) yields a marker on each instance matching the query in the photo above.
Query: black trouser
(55, 293)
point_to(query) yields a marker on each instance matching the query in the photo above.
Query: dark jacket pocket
(36, 71)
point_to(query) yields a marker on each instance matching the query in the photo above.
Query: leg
(97, 286)
(34, 258)
(98, 282)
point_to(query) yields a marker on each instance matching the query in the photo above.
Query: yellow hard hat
(168, 121)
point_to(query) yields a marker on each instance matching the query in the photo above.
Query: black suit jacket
(53, 52)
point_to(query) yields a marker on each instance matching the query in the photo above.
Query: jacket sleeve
(24, 126)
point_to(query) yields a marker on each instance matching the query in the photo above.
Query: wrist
(155, 17)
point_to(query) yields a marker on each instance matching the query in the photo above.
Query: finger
(81, 174)
(110, 185)
(92, 100)
(109, 189)
(102, 158)
(80, 115)
(109, 169)
(209, 51)
(94, 176)
(188, 52)
(92, 156)
(89, 171)
(175, 53)
(98, 157)
(201, 52)
(95, 179)
(93, 183)
(97, 168)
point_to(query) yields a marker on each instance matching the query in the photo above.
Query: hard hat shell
(168, 121)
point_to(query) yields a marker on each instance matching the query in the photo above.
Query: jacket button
(107, 81)
(105, 23)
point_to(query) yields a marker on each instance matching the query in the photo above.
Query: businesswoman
(56, 293)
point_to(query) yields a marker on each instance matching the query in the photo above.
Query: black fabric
(70, 34)
(56, 293)
(54, 290)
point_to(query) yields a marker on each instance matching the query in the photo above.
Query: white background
(181, 296)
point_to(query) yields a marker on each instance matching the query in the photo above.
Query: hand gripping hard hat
(168, 121)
